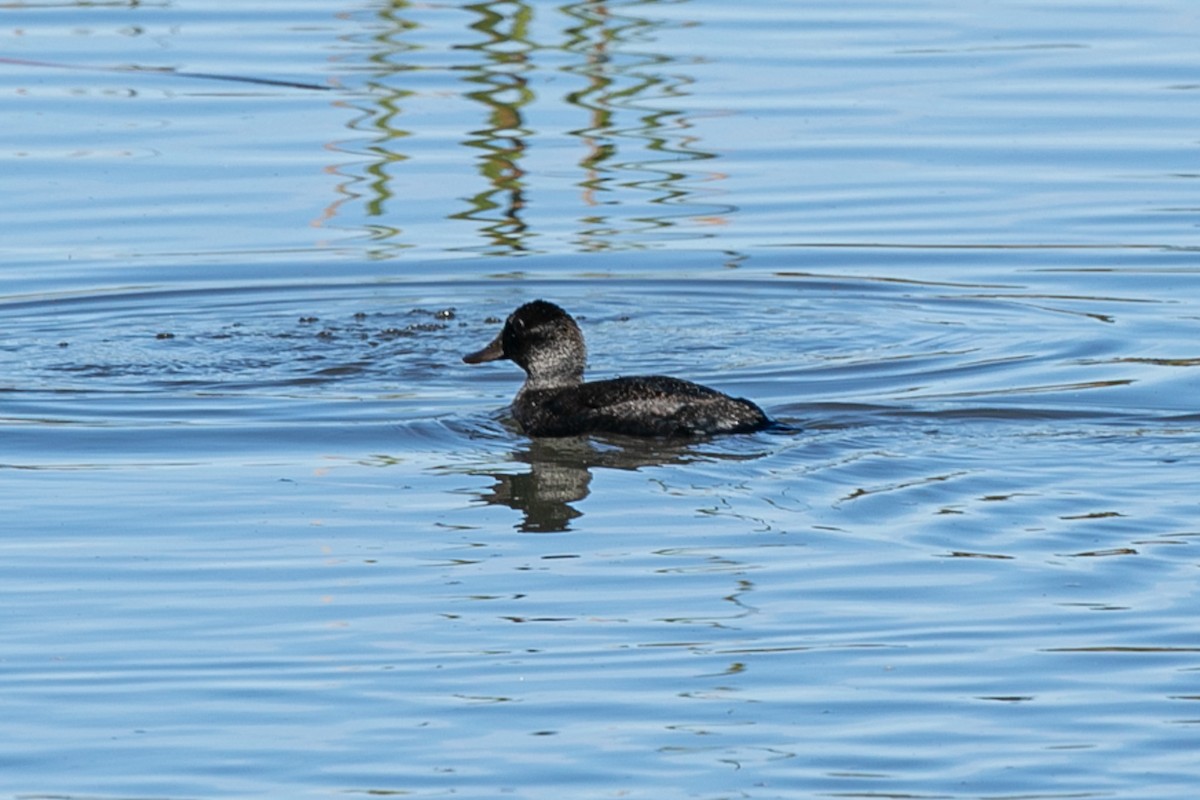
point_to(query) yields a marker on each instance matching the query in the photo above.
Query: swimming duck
(546, 342)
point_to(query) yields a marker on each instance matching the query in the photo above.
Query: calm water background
(265, 536)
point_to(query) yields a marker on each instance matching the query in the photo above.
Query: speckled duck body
(555, 401)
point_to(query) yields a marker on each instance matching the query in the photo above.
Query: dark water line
(170, 72)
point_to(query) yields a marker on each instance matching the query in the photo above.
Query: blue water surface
(266, 536)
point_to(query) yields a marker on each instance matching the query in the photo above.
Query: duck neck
(554, 375)
(556, 366)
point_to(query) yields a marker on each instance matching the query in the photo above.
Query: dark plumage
(546, 342)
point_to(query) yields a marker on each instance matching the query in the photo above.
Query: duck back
(652, 405)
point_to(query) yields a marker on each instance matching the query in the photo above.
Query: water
(266, 535)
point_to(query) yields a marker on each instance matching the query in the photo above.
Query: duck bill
(493, 352)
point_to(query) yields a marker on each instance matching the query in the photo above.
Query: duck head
(544, 341)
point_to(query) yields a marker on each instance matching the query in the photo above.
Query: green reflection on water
(504, 93)
(631, 184)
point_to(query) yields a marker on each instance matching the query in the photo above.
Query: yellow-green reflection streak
(619, 79)
(637, 184)
(504, 92)
(386, 58)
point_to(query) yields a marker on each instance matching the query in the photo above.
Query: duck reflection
(560, 473)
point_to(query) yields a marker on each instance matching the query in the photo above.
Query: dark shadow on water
(560, 473)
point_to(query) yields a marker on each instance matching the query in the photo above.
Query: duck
(555, 400)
